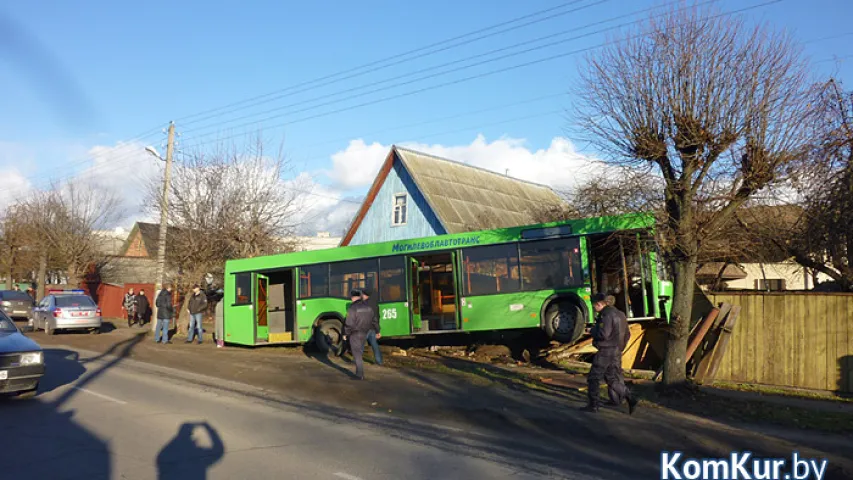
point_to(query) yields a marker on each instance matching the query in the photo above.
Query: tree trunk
(675, 365)
(11, 264)
(73, 278)
(183, 317)
(41, 280)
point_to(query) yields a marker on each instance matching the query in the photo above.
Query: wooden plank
(711, 342)
(849, 354)
(819, 334)
(768, 334)
(831, 343)
(800, 315)
(725, 337)
(775, 314)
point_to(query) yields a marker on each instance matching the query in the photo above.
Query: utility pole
(164, 208)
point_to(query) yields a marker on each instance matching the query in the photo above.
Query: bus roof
(578, 227)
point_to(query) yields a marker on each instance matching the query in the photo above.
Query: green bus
(510, 279)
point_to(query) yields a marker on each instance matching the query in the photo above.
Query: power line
(315, 81)
(466, 79)
(434, 75)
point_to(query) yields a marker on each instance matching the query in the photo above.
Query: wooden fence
(791, 339)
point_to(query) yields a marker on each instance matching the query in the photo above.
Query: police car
(67, 310)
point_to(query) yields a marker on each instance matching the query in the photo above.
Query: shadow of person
(187, 459)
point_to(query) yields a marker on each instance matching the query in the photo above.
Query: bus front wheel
(329, 336)
(564, 322)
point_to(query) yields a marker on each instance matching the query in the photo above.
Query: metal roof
(467, 198)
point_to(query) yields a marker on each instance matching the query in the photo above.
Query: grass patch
(748, 411)
(782, 392)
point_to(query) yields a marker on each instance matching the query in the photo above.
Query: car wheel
(564, 322)
(329, 336)
(95, 331)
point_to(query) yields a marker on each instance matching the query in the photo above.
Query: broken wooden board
(722, 345)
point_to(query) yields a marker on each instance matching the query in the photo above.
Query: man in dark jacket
(358, 323)
(197, 306)
(610, 336)
(165, 313)
(374, 334)
(142, 307)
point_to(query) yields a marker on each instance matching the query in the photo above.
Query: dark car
(17, 304)
(21, 360)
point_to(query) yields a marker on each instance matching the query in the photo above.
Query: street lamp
(153, 151)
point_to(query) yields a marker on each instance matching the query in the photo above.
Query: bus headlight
(6, 303)
(31, 359)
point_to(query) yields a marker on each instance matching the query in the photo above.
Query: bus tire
(329, 336)
(564, 321)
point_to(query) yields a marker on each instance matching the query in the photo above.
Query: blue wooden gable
(378, 223)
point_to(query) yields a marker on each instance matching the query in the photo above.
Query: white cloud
(324, 208)
(355, 167)
(124, 169)
(560, 165)
(17, 186)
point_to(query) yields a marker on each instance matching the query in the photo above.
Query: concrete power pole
(164, 208)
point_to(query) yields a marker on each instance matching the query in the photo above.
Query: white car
(67, 310)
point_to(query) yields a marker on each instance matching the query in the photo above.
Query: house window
(770, 285)
(400, 211)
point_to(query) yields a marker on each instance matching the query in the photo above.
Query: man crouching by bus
(359, 321)
(610, 336)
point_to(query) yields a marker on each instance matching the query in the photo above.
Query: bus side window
(243, 289)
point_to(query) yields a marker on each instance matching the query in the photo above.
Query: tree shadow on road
(184, 458)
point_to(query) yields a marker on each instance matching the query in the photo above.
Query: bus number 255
(389, 313)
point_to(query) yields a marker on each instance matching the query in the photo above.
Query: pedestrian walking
(130, 307)
(358, 323)
(165, 314)
(196, 306)
(610, 336)
(143, 308)
(374, 334)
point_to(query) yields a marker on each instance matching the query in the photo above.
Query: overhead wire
(481, 75)
(432, 68)
(460, 80)
(318, 82)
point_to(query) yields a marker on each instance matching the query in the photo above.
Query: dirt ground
(455, 390)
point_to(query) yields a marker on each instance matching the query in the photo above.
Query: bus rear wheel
(329, 336)
(564, 322)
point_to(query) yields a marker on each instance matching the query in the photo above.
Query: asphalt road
(106, 418)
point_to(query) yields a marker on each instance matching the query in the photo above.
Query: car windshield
(6, 325)
(13, 295)
(74, 301)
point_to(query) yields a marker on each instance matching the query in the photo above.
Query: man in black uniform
(374, 334)
(359, 321)
(610, 336)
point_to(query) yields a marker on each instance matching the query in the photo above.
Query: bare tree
(17, 238)
(716, 108)
(817, 230)
(224, 205)
(65, 220)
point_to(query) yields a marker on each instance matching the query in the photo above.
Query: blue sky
(118, 69)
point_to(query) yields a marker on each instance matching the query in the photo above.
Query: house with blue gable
(420, 195)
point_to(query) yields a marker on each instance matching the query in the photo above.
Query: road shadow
(185, 457)
(48, 441)
(325, 360)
